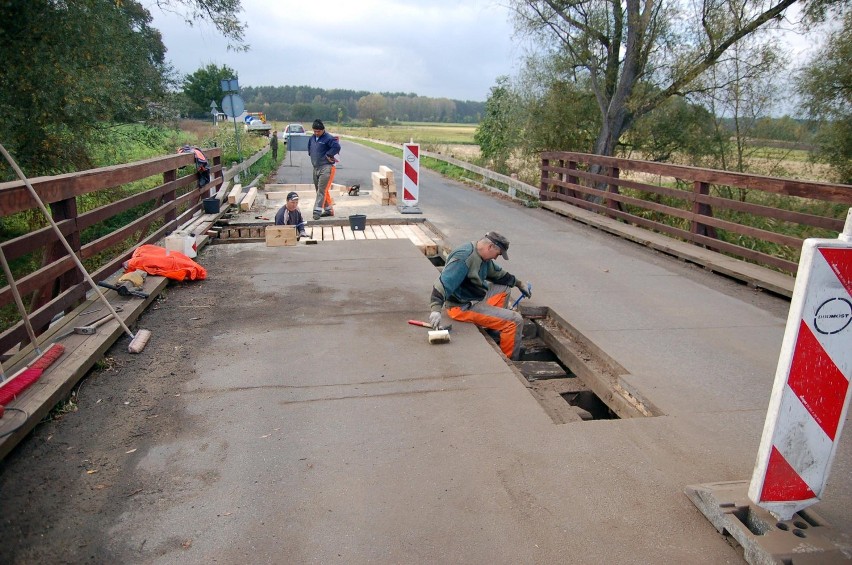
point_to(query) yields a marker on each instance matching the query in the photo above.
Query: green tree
(674, 127)
(204, 86)
(636, 54)
(825, 85)
(373, 108)
(498, 131)
(739, 91)
(70, 70)
(223, 14)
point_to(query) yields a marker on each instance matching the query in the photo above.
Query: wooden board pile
(384, 187)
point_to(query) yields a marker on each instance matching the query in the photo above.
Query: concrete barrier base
(805, 538)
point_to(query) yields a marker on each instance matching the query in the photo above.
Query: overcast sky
(439, 48)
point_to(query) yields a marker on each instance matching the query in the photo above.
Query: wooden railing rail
(55, 286)
(711, 211)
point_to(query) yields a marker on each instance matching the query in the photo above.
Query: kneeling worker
(475, 289)
(290, 215)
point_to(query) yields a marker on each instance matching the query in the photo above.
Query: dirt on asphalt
(64, 486)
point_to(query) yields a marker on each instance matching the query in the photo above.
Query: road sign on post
(810, 397)
(410, 179)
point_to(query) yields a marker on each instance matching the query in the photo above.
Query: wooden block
(387, 172)
(235, 192)
(277, 236)
(257, 232)
(247, 202)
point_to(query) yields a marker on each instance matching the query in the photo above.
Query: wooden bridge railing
(761, 219)
(54, 287)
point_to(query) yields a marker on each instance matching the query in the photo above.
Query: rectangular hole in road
(570, 377)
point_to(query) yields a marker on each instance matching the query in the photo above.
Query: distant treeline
(302, 103)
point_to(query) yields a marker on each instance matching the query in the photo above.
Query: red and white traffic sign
(810, 396)
(411, 173)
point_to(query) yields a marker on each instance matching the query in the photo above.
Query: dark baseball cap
(292, 196)
(500, 242)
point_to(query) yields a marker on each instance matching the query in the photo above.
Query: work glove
(136, 278)
(435, 320)
(522, 286)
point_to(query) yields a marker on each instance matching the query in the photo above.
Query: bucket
(358, 222)
(211, 205)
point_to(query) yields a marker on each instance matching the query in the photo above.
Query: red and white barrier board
(411, 174)
(810, 396)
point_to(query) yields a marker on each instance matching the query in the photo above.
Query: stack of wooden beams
(384, 186)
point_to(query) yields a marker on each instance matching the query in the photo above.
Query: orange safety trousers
(493, 315)
(327, 202)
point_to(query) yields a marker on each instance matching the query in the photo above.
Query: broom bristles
(53, 353)
(20, 382)
(139, 341)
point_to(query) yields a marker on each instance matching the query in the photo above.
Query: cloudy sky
(438, 48)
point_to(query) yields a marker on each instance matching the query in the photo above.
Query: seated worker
(290, 215)
(475, 289)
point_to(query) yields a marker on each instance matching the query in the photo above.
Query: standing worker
(475, 289)
(322, 148)
(273, 143)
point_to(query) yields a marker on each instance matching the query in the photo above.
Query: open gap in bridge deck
(571, 378)
(420, 235)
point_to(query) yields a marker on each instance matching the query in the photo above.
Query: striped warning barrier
(411, 174)
(810, 396)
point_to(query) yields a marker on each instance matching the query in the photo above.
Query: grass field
(423, 133)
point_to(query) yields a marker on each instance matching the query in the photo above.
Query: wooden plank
(415, 239)
(235, 192)
(277, 236)
(537, 370)
(248, 201)
(389, 232)
(369, 233)
(327, 233)
(431, 247)
(359, 234)
(379, 232)
(347, 233)
(403, 233)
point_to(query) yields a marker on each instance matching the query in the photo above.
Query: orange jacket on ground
(156, 260)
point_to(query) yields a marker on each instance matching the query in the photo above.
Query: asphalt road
(285, 412)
